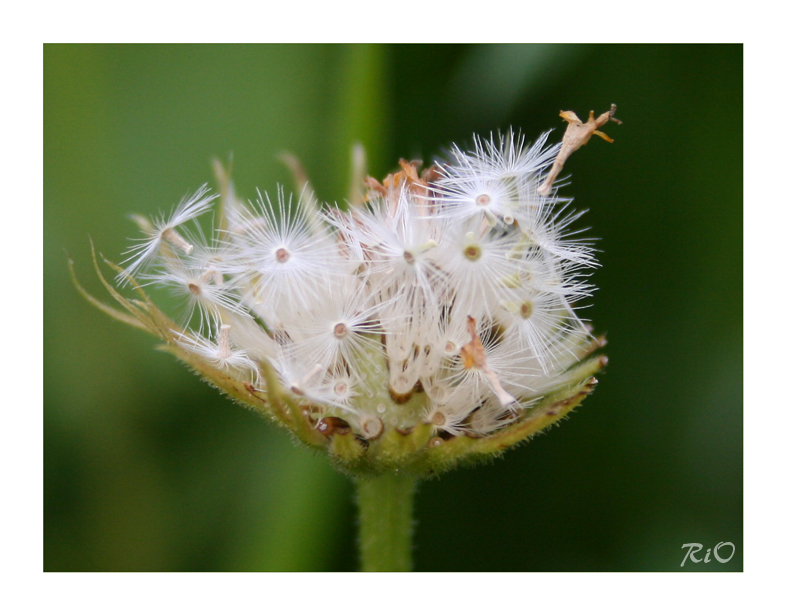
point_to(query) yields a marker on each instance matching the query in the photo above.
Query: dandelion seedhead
(432, 320)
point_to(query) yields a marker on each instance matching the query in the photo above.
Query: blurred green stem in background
(385, 503)
(362, 116)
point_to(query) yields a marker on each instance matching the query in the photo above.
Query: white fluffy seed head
(447, 298)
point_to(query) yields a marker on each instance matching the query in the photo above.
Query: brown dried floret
(474, 356)
(577, 134)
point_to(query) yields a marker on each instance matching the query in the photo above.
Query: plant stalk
(385, 503)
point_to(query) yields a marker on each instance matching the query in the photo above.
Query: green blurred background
(147, 468)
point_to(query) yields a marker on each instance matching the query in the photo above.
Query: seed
(472, 253)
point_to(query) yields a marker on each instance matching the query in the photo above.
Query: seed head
(441, 308)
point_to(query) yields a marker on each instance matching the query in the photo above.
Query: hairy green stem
(385, 503)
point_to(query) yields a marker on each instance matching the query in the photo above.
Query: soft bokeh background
(147, 468)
